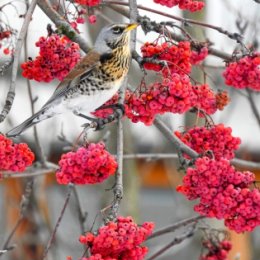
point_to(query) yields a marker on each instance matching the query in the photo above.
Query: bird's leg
(99, 123)
(86, 117)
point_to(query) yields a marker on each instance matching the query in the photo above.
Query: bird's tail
(34, 119)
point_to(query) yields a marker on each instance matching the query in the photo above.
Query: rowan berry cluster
(14, 157)
(216, 249)
(222, 99)
(173, 95)
(216, 139)
(197, 56)
(206, 99)
(88, 2)
(88, 165)
(120, 240)
(189, 5)
(244, 73)
(57, 56)
(224, 193)
(176, 56)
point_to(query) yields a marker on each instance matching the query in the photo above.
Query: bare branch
(81, 214)
(175, 226)
(253, 106)
(179, 145)
(29, 87)
(177, 240)
(23, 208)
(53, 234)
(11, 93)
(35, 170)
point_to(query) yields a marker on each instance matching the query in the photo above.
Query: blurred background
(150, 183)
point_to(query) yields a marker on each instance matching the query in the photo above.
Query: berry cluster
(89, 165)
(57, 57)
(217, 139)
(222, 99)
(176, 56)
(189, 5)
(120, 240)
(216, 250)
(14, 157)
(244, 72)
(206, 98)
(88, 2)
(197, 56)
(173, 95)
(224, 193)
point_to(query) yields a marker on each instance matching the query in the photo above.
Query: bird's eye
(117, 30)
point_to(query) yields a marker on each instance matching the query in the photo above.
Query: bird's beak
(131, 27)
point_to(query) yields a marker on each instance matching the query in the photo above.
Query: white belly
(86, 104)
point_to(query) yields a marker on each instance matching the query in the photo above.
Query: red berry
(92, 19)
(86, 166)
(14, 157)
(58, 55)
(244, 72)
(119, 240)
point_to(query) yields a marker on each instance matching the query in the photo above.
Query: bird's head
(114, 36)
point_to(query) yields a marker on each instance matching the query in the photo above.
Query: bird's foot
(99, 123)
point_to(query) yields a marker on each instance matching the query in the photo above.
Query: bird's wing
(81, 70)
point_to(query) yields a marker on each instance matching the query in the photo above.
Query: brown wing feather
(85, 65)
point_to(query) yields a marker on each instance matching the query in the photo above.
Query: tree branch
(23, 207)
(179, 145)
(53, 234)
(253, 106)
(175, 226)
(11, 93)
(175, 241)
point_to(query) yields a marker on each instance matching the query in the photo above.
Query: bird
(94, 79)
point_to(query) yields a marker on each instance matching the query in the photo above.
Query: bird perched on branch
(93, 81)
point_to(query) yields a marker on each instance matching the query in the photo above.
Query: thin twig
(37, 170)
(29, 87)
(175, 241)
(118, 188)
(23, 208)
(175, 226)
(81, 214)
(179, 145)
(253, 106)
(11, 93)
(133, 14)
(53, 234)
(234, 36)
(62, 24)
